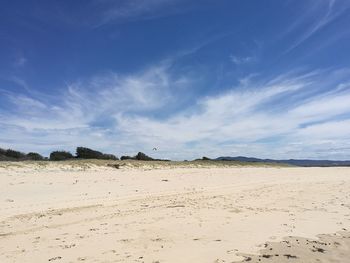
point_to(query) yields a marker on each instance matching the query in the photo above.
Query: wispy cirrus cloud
(241, 60)
(320, 13)
(249, 116)
(84, 101)
(20, 61)
(86, 107)
(19, 81)
(131, 10)
(120, 114)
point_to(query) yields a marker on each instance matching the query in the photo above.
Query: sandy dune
(60, 213)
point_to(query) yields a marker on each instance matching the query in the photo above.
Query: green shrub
(110, 157)
(34, 156)
(86, 153)
(60, 156)
(2, 151)
(126, 157)
(143, 157)
(15, 154)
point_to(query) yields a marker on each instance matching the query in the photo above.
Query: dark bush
(140, 156)
(11, 155)
(110, 157)
(3, 156)
(126, 157)
(14, 154)
(60, 156)
(203, 159)
(143, 157)
(2, 151)
(34, 156)
(86, 153)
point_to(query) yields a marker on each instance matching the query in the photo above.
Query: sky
(192, 78)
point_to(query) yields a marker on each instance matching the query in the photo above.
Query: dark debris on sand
(300, 250)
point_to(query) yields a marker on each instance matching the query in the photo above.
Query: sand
(66, 213)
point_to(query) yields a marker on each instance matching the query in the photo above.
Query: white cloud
(85, 101)
(241, 60)
(238, 116)
(322, 13)
(20, 61)
(136, 10)
(119, 114)
(26, 104)
(332, 130)
(84, 114)
(323, 108)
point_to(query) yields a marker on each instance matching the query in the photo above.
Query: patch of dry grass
(132, 164)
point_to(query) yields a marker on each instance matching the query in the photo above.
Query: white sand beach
(63, 213)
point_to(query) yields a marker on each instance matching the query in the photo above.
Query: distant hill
(296, 162)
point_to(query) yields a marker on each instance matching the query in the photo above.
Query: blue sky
(257, 78)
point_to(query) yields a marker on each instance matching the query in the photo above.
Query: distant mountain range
(296, 162)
